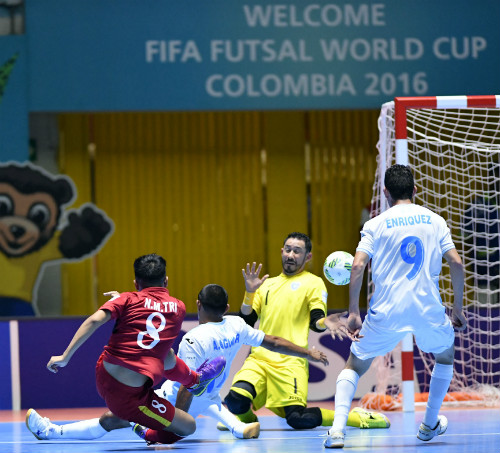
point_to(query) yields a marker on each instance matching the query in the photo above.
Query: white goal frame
(401, 106)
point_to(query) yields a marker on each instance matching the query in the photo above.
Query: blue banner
(14, 142)
(234, 55)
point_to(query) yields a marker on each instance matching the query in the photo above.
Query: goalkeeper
(288, 306)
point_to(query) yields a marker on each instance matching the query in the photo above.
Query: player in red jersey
(138, 356)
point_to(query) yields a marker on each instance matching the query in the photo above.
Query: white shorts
(377, 341)
(199, 404)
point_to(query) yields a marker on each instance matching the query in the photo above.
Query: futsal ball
(337, 268)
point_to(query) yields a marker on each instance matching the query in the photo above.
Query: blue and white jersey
(211, 340)
(406, 244)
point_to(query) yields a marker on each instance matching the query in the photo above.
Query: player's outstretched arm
(282, 346)
(457, 281)
(88, 327)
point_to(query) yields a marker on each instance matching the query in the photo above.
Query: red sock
(162, 437)
(182, 373)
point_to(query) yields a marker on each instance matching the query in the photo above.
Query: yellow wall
(211, 191)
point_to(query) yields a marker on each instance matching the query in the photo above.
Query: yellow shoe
(247, 417)
(370, 419)
(222, 427)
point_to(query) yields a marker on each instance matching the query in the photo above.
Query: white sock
(85, 429)
(229, 420)
(440, 382)
(347, 382)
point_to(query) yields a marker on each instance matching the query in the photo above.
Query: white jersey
(406, 244)
(208, 341)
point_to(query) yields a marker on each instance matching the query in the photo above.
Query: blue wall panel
(5, 383)
(73, 385)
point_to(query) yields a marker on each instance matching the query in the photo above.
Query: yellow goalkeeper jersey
(283, 304)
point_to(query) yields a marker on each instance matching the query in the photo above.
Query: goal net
(452, 145)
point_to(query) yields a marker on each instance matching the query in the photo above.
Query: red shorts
(135, 404)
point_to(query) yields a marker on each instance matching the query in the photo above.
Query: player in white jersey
(217, 334)
(406, 244)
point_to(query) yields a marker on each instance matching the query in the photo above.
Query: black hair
(399, 182)
(213, 299)
(150, 270)
(302, 237)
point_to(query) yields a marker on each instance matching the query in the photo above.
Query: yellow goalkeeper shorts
(276, 387)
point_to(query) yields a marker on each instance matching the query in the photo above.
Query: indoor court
(469, 431)
(205, 132)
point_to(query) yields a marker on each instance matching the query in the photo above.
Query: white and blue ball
(337, 268)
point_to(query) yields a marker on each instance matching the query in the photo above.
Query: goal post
(452, 144)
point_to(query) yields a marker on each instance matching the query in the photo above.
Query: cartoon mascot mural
(36, 229)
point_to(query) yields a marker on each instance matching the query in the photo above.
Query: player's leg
(301, 417)
(249, 389)
(42, 428)
(146, 408)
(181, 425)
(239, 429)
(434, 424)
(158, 421)
(375, 341)
(239, 401)
(347, 383)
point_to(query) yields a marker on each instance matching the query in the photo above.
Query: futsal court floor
(469, 431)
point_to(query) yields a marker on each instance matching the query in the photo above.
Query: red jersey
(147, 324)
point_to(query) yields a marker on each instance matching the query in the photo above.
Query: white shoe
(425, 433)
(334, 439)
(40, 426)
(251, 430)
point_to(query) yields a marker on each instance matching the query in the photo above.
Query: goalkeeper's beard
(292, 267)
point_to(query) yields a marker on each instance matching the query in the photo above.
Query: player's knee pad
(240, 397)
(237, 403)
(300, 417)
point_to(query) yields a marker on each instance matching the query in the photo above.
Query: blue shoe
(207, 372)
(141, 432)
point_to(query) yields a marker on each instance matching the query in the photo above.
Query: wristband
(248, 299)
(244, 305)
(320, 323)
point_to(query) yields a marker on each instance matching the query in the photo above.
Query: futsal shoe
(208, 371)
(141, 432)
(222, 427)
(334, 439)
(251, 430)
(39, 426)
(425, 433)
(370, 420)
